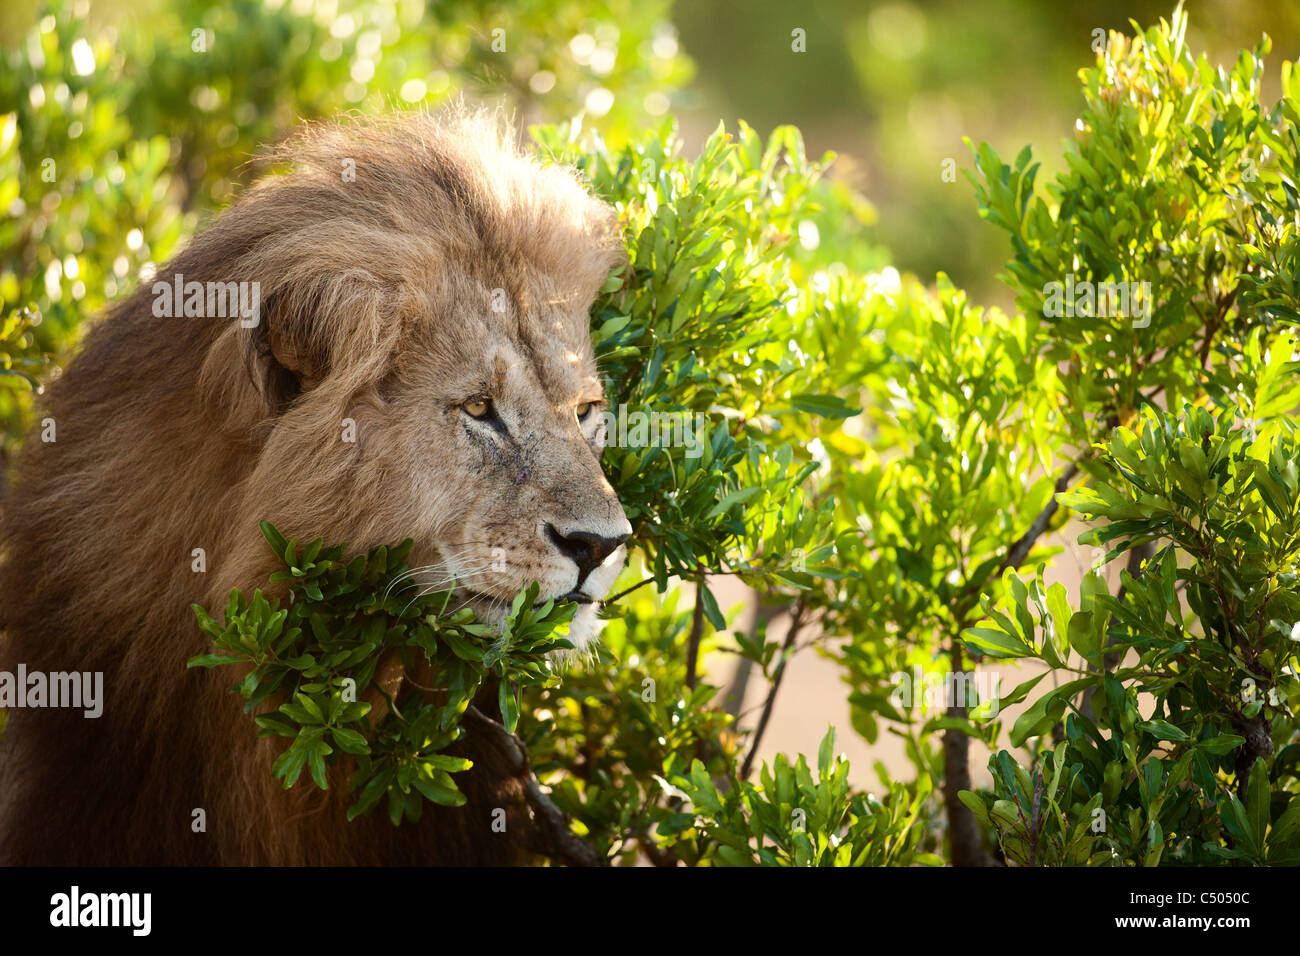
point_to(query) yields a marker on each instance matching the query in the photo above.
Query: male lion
(419, 366)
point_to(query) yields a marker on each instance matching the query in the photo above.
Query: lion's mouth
(572, 597)
(576, 597)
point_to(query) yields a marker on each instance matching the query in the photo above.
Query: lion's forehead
(506, 358)
(551, 369)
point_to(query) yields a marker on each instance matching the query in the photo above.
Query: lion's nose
(588, 551)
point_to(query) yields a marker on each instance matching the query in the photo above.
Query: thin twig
(796, 622)
(697, 630)
(1017, 553)
(711, 572)
(626, 591)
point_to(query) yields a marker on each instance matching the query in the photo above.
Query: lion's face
(437, 298)
(500, 446)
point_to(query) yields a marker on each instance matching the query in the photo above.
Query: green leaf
(1257, 799)
(349, 741)
(735, 498)
(1222, 744)
(711, 610)
(996, 643)
(1162, 730)
(509, 706)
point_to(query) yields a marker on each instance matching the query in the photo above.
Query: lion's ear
(290, 355)
(285, 364)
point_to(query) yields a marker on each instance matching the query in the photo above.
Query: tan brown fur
(181, 433)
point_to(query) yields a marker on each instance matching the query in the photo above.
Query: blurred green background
(893, 87)
(124, 124)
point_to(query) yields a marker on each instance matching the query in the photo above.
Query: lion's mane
(171, 436)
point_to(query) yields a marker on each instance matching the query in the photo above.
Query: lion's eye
(478, 407)
(584, 410)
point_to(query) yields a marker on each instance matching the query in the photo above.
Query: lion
(411, 357)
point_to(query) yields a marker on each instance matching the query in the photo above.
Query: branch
(1212, 327)
(734, 699)
(1022, 546)
(711, 572)
(796, 622)
(664, 858)
(697, 630)
(965, 840)
(552, 837)
(1017, 553)
(626, 591)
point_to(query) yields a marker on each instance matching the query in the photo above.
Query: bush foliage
(887, 465)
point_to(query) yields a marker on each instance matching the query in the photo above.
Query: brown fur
(181, 433)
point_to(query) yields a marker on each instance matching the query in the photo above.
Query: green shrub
(318, 654)
(886, 465)
(1182, 180)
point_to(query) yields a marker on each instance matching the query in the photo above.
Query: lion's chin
(584, 633)
(584, 629)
